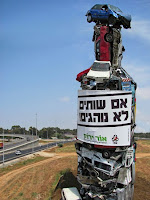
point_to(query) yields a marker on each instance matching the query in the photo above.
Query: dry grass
(34, 180)
(37, 180)
(142, 183)
(21, 164)
(68, 147)
(143, 146)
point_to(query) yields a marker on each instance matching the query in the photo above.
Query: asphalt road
(12, 155)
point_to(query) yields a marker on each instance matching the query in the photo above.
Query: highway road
(15, 142)
(12, 155)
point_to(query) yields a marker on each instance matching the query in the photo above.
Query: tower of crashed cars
(106, 113)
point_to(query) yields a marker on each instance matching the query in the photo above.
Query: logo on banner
(115, 139)
(93, 138)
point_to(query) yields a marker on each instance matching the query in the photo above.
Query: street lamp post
(3, 149)
(36, 124)
(56, 137)
(32, 141)
(47, 138)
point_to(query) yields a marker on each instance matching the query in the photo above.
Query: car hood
(126, 16)
(98, 74)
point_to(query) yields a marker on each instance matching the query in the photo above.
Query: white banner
(104, 117)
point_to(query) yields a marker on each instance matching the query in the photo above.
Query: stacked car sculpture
(106, 113)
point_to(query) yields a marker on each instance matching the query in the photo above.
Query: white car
(70, 194)
(100, 70)
(18, 152)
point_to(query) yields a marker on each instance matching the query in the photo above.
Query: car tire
(127, 26)
(89, 18)
(106, 154)
(90, 146)
(112, 20)
(108, 37)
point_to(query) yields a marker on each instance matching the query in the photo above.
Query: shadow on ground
(67, 180)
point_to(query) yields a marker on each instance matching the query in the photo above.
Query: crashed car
(109, 14)
(82, 74)
(100, 77)
(100, 70)
(94, 158)
(99, 176)
(102, 45)
(108, 45)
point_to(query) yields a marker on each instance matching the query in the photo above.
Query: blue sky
(45, 44)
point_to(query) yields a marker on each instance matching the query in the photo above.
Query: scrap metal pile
(106, 113)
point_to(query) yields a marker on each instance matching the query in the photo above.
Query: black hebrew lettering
(101, 104)
(115, 103)
(117, 116)
(118, 103)
(89, 117)
(93, 117)
(89, 104)
(97, 115)
(123, 103)
(92, 105)
(102, 117)
(125, 113)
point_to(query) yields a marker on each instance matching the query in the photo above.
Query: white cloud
(140, 28)
(140, 73)
(143, 93)
(65, 99)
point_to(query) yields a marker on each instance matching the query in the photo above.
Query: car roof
(104, 5)
(107, 5)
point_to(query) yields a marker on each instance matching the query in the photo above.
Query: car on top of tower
(100, 70)
(109, 14)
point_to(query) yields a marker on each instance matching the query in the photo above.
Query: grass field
(36, 179)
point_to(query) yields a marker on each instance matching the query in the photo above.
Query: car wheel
(108, 37)
(111, 20)
(89, 146)
(127, 25)
(106, 154)
(89, 18)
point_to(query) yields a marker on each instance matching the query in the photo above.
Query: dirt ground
(35, 181)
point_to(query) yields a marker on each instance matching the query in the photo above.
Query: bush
(60, 145)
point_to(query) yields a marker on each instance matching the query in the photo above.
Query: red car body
(102, 48)
(81, 74)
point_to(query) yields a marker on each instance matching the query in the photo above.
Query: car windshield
(114, 8)
(100, 66)
(97, 7)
